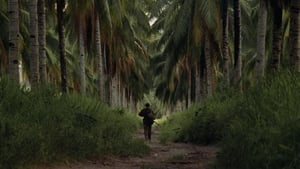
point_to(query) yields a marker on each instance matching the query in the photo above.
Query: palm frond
(184, 21)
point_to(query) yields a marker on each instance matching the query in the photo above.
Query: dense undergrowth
(257, 129)
(202, 123)
(42, 126)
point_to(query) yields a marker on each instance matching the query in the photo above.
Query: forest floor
(162, 156)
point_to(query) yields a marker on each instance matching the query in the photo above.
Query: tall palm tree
(183, 41)
(197, 88)
(125, 48)
(34, 47)
(175, 21)
(42, 40)
(210, 16)
(225, 41)
(102, 17)
(14, 36)
(295, 34)
(237, 43)
(261, 40)
(61, 35)
(80, 11)
(208, 66)
(277, 11)
(100, 57)
(3, 36)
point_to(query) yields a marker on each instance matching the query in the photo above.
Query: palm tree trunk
(203, 78)
(295, 34)
(277, 37)
(82, 58)
(208, 65)
(114, 90)
(42, 40)
(61, 36)
(197, 83)
(107, 72)
(14, 35)
(261, 40)
(190, 89)
(225, 42)
(237, 44)
(124, 98)
(108, 68)
(3, 58)
(101, 74)
(193, 84)
(132, 104)
(34, 47)
(119, 91)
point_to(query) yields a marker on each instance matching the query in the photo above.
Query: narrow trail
(162, 156)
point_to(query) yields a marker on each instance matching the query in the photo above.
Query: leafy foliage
(265, 130)
(257, 129)
(203, 123)
(44, 126)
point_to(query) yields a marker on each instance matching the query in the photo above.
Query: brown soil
(162, 156)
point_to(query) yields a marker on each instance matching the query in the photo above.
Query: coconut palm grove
(221, 73)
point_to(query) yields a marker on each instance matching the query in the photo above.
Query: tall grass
(203, 123)
(257, 129)
(265, 132)
(42, 126)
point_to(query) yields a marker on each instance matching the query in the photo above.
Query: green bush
(44, 126)
(257, 129)
(265, 132)
(203, 123)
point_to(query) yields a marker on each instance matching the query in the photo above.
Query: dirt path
(162, 156)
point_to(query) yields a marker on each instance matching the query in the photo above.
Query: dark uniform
(148, 120)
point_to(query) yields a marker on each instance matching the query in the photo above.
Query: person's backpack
(150, 115)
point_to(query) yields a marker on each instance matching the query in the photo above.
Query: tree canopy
(182, 49)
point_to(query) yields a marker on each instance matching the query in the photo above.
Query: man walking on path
(148, 120)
